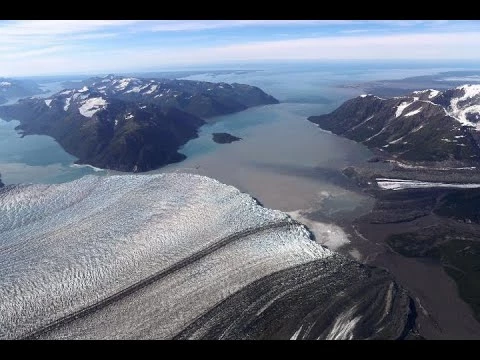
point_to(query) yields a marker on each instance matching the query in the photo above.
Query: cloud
(22, 28)
(189, 25)
(354, 31)
(399, 46)
(195, 25)
(73, 46)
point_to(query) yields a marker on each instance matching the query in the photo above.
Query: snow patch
(417, 128)
(134, 89)
(401, 108)
(96, 169)
(343, 327)
(363, 122)
(460, 113)
(295, 336)
(48, 102)
(414, 112)
(408, 166)
(400, 184)
(67, 103)
(433, 93)
(396, 141)
(470, 91)
(123, 83)
(91, 106)
(152, 89)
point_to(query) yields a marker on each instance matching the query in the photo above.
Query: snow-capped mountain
(427, 125)
(105, 131)
(204, 99)
(13, 88)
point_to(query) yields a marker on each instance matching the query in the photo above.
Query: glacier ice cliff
(178, 256)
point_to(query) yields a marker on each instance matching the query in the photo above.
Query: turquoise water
(272, 135)
(36, 158)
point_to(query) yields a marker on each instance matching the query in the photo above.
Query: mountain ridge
(427, 125)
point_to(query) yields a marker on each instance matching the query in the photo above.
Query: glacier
(172, 256)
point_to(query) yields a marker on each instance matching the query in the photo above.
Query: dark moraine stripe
(312, 297)
(151, 279)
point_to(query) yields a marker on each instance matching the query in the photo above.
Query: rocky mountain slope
(178, 256)
(427, 125)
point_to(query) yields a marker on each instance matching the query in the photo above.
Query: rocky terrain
(178, 256)
(224, 138)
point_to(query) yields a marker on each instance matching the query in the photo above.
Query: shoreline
(411, 210)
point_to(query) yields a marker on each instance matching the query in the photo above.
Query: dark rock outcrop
(224, 138)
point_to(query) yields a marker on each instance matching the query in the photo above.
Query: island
(224, 138)
(130, 124)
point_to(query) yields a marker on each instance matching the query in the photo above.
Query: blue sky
(43, 47)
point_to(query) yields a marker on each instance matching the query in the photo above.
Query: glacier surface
(152, 256)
